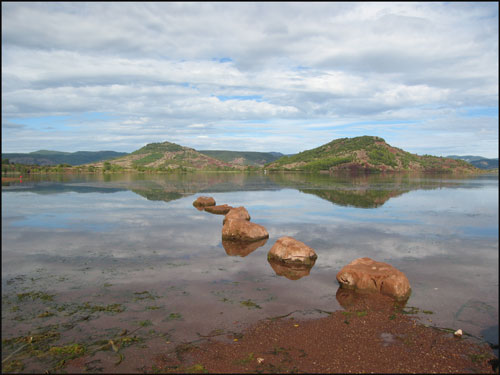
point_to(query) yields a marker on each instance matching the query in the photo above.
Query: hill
(243, 157)
(47, 157)
(168, 156)
(477, 161)
(366, 154)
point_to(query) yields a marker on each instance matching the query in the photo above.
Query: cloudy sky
(250, 76)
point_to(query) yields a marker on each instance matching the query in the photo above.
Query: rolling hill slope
(168, 156)
(243, 157)
(366, 153)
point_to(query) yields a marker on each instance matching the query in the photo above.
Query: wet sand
(369, 336)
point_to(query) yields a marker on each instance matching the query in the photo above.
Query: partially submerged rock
(292, 271)
(204, 202)
(368, 275)
(240, 213)
(243, 230)
(289, 250)
(218, 210)
(242, 248)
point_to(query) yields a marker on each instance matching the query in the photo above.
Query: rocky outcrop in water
(222, 209)
(366, 274)
(289, 250)
(238, 213)
(204, 202)
(243, 230)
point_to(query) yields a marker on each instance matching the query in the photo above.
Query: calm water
(87, 258)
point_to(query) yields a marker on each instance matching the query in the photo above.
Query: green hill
(168, 156)
(366, 154)
(47, 157)
(243, 157)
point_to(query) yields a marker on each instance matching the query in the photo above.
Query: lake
(87, 259)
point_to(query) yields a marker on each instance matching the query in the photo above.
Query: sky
(250, 76)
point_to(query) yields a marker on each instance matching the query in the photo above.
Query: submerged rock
(243, 230)
(242, 248)
(240, 213)
(218, 210)
(289, 250)
(368, 275)
(292, 271)
(204, 201)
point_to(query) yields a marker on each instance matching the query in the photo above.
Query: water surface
(92, 257)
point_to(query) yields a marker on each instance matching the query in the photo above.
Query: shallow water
(89, 257)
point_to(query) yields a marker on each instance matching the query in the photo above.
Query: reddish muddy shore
(364, 338)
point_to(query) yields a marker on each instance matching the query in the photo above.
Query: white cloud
(160, 67)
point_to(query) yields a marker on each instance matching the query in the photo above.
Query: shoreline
(372, 335)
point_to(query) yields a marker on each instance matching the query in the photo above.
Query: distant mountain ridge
(47, 157)
(477, 161)
(366, 154)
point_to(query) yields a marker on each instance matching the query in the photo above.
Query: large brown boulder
(242, 248)
(365, 274)
(218, 210)
(289, 250)
(292, 271)
(204, 202)
(243, 230)
(237, 213)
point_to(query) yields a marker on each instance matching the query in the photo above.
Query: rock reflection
(292, 271)
(351, 299)
(242, 248)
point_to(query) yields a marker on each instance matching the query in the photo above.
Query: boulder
(368, 275)
(242, 248)
(292, 271)
(289, 250)
(237, 213)
(243, 230)
(204, 202)
(218, 210)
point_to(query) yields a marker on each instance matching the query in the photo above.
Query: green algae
(34, 296)
(174, 316)
(45, 314)
(250, 304)
(197, 368)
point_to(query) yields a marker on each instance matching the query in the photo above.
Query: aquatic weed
(35, 295)
(250, 304)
